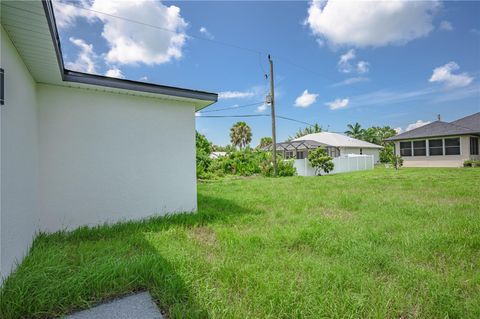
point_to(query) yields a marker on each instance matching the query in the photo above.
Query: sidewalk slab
(137, 306)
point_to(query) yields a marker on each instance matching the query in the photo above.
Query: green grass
(377, 244)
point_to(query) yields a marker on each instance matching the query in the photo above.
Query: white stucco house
(348, 153)
(336, 145)
(80, 149)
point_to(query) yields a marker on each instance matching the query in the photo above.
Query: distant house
(80, 149)
(335, 144)
(215, 155)
(349, 154)
(440, 144)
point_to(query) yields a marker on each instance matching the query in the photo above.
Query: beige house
(440, 144)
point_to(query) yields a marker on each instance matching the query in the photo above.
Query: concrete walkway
(138, 306)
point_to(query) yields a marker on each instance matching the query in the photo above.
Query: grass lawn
(380, 244)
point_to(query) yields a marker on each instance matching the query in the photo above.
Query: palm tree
(355, 131)
(264, 142)
(307, 130)
(240, 134)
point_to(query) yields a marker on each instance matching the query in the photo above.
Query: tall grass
(375, 244)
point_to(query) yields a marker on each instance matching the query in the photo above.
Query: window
(361, 152)
(474, 146)
(419, 148)
(289, 154)
(452, 146)
(406, 148)
(435, 147)
(300, 154)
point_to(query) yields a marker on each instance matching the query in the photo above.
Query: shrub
(320, 160)
(471, 163)
(386, 154)
(203, 150)
(397, 161)
(284, 168)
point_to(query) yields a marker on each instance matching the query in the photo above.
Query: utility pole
(272, 104)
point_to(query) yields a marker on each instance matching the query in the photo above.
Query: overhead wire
(256, 51)
(233, 107)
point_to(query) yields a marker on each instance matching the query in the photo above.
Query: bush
(397, 161)
(284, 168)
(386, 154)
(203, 150)
(320, 160)
(471, 163)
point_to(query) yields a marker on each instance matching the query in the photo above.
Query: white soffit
(27, 27)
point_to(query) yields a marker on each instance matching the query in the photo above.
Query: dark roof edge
(401, 136)
(395, 138)
(100, 80)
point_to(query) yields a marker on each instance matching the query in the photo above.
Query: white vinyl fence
(342, 164)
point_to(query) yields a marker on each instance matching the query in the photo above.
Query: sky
(393, 63)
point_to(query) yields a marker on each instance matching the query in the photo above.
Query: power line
(164, 29)
(255, 115)
(258, 52)
(224, 116)
(294, 120)
(233, 107)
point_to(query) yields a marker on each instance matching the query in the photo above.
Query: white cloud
(444, 75)
(428, 95)
(144, 78)
(363, 67)
(398, 130)
(344, 65)
(350, 81)
(235, 95)
(198, 114)
(417, 124)
(338, 104)
(305, 99)
(446, 26)
(130, 42)
(320, 43)
(85, 61)
(262, 108)
(67, 13)
(344, 62)
(371, 23)
(206, 33)
(115, 72)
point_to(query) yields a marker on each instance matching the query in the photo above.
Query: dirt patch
(203, 235)
(337, 214)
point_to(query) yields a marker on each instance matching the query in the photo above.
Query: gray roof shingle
(467, 125)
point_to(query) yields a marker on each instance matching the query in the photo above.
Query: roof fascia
(99, 80)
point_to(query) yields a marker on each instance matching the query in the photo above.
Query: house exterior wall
(71, 157)
(108, 157)
(440, 160)
(19, 159)
(365, 151)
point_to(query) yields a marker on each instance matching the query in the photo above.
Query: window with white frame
(406, 148)
(474, 145)
(452, 146)
(435, 147)
(420, 148)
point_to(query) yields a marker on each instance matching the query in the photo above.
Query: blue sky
(376, 63)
